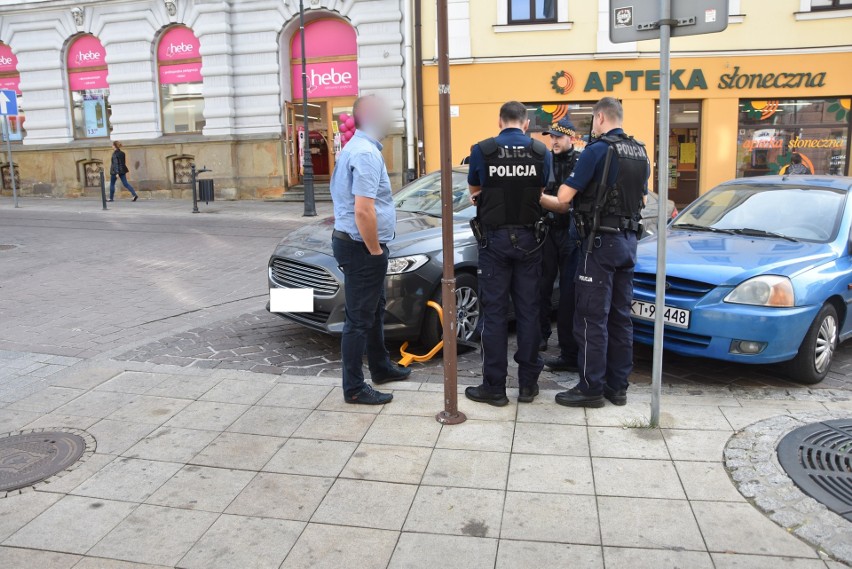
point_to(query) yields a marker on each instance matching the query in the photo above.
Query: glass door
(291, 148)
(684, 148)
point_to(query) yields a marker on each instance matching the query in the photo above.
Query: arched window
(87, 81)
(179, 70)
(10, 79)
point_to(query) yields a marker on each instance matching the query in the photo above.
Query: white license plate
(677, 317)
(291, 300)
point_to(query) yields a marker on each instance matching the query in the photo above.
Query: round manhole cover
(818, 458)
(31, 457)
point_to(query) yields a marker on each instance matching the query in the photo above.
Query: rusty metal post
(451, 414)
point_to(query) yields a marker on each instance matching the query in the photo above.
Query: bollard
(103, 190)
(194, 192)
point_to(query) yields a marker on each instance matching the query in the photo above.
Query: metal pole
(194, 191)
(418, 86)
(11, 163)
(308, 165)
(103, 188)
(451, 414)
(663, 194)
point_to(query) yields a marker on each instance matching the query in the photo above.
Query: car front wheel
(467, 311)
(816, 353)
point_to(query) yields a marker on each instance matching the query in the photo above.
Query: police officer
(506, 177)
(607, 204)
(560, 253)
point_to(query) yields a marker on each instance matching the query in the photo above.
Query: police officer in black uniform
(506, 177)
(608, 187)
(560, 253)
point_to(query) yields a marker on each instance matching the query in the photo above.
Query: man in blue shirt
(364, 221)
(506, 177)
(608, 209)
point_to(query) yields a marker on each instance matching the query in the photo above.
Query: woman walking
(118, 169)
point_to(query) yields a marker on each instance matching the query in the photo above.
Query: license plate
(677, 317)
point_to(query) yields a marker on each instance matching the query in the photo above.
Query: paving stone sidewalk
(223, 468)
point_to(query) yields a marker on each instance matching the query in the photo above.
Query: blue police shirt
(590, 165)
(508, 137)
(360, 171)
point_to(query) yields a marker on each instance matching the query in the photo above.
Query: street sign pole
(662, 221)
(8, 128)
(451, 414)
(637, 20)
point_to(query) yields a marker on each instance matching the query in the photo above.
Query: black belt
(343, 236)
(493, 227)
(620, 223)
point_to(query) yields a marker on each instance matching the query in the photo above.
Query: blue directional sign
(8, 102)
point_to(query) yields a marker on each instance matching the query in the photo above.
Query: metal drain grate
(818, 458)
(32, 457)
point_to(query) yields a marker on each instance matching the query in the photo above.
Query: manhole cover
(31, 457)
(818, 458)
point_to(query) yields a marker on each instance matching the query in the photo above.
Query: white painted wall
(245, 59)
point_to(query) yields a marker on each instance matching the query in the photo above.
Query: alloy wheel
(467, 311)
(826, 341)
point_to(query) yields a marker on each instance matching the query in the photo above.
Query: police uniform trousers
(602, 325)
(510, 268)
(560, 255)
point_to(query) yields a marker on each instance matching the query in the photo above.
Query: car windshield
(424, 196)
(781, 212)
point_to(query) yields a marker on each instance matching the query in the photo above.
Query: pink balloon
(344, 117)
(350, 122)
(343, 128)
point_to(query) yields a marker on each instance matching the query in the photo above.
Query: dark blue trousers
(507, 270)
(602, 324)
(123, 178)
(559, 257)
(364, 286)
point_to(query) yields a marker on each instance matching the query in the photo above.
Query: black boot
(561, 363)
(480, 394)
(527, 394)
(576, 398)
(616, 397)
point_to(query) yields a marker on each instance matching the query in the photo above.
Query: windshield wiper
(424, 212)
(696, 227)
(763, 233)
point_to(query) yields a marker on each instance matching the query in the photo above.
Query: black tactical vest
(563, 165)
(624, 196)
(511, 186)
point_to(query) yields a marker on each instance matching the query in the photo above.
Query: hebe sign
(328, 79)
(178, 43)
(86, 51)
(8, 61)
(87, 64)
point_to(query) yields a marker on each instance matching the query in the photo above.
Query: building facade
(777, 81)
(209, 82)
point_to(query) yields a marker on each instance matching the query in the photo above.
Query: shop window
(817, 5)
(87, 81)
(179, 72)
(182, 169)
(10, 80)
(770, 131)
(532, 11)
(90, 173)
(684, 150)
(7, 179)
(542, 115)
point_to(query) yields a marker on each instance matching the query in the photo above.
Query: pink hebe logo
(5, 60)
(330, 78)
(87, 56)
(179, 49)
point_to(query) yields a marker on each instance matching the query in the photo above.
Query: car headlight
(399, 265)
(766, 290)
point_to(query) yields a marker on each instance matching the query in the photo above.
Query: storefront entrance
(332, 85)
(684, 147)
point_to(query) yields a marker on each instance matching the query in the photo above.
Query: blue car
(759, 270)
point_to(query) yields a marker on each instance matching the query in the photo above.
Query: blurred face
(374, 117)
(560, 144)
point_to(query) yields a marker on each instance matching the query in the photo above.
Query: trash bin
(205, 190)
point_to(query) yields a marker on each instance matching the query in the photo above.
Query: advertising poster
(95, 115)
